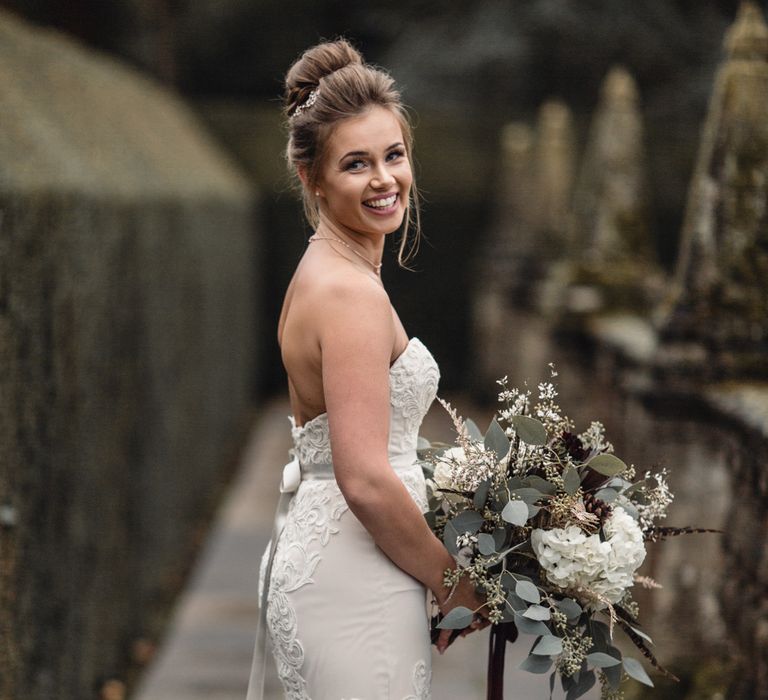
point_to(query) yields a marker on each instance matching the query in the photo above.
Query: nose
(381, 177)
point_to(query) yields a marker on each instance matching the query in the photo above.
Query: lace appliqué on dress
(422, 679)
(311, 441)
(311, 521)
(413, 480)
(413, 387)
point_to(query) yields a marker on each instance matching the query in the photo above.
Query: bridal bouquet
(551, 526)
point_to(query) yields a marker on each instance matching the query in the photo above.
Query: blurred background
(594, 177)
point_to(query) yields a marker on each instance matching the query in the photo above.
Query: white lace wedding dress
(345, 623)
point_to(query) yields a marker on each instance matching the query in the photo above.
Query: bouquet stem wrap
(500, 635)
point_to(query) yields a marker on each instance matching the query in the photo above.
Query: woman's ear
(301, 170)
(302, 173)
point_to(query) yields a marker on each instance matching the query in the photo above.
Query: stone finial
(610, 251)
(553, 166)
(516, 139)
(748, 36)
(714, 322)
(509, 233)
(619, 88)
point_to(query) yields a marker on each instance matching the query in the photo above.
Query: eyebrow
(365, 153)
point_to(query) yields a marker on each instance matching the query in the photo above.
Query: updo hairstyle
(348, 87)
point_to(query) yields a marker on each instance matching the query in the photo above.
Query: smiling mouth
(382, 203)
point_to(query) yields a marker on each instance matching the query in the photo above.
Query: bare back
(299, 328)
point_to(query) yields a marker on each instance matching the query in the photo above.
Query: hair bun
(315, 63)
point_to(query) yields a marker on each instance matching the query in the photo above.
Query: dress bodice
(413, 380)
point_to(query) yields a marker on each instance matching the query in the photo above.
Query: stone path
(207, 651)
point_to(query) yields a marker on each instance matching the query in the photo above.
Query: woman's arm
(357, 333)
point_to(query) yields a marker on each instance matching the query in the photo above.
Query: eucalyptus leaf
(486, 544)
(614, 673)
(528, 494)
(607, 464)
(540, 484)
(642, 634)
(527, 591)
(496, 440)
(516, 602)
(630, 509)
(634, 488)
(548, 645)
(508, 614)
(514, 482)
(582, 686)
(636, 671)
(571, 480)
(536, 664)
(601, 635)
(602, 660)
(510, 580)
(499, 537)
(449, 540)
(467, 521)
(552, 684)
(569, 607)
(481, 495)
(473, 431)
(537, 612)
(607, 495)
(533, 510)
(422, 443)
(529, 430)
(528, 626)
(498, 499)
(457, 619)
(515, 512)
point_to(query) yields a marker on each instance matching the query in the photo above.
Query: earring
(317, 193)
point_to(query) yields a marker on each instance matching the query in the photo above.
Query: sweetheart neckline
(325, 413)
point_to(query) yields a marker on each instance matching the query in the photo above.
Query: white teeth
(382, 203)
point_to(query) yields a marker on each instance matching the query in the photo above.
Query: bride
(345, 578)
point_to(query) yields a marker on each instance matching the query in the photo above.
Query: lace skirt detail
(344, 621)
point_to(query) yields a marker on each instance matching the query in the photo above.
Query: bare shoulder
(353, 309)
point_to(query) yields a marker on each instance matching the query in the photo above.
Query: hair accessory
(307, 103)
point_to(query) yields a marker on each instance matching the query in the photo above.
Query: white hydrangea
(573, 559)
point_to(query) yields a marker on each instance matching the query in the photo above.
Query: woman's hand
(464, 594)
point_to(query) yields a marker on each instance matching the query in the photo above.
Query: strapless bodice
(413, 380)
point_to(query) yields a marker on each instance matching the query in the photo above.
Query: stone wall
(675, 368)
(127, 298)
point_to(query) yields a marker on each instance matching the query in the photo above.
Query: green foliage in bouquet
(551, 527)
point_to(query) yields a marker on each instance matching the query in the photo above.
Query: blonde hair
(344, 86)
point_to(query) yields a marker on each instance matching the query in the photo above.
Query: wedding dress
(345, 623)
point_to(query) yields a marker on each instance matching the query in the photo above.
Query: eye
(355, 165)
(392, 155)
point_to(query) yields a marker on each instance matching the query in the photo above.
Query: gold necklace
(376, 266)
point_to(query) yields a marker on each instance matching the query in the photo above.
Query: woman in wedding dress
(346, 576)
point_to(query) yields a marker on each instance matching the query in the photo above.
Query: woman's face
(366, 177)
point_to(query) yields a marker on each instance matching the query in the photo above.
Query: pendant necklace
(376, 266)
